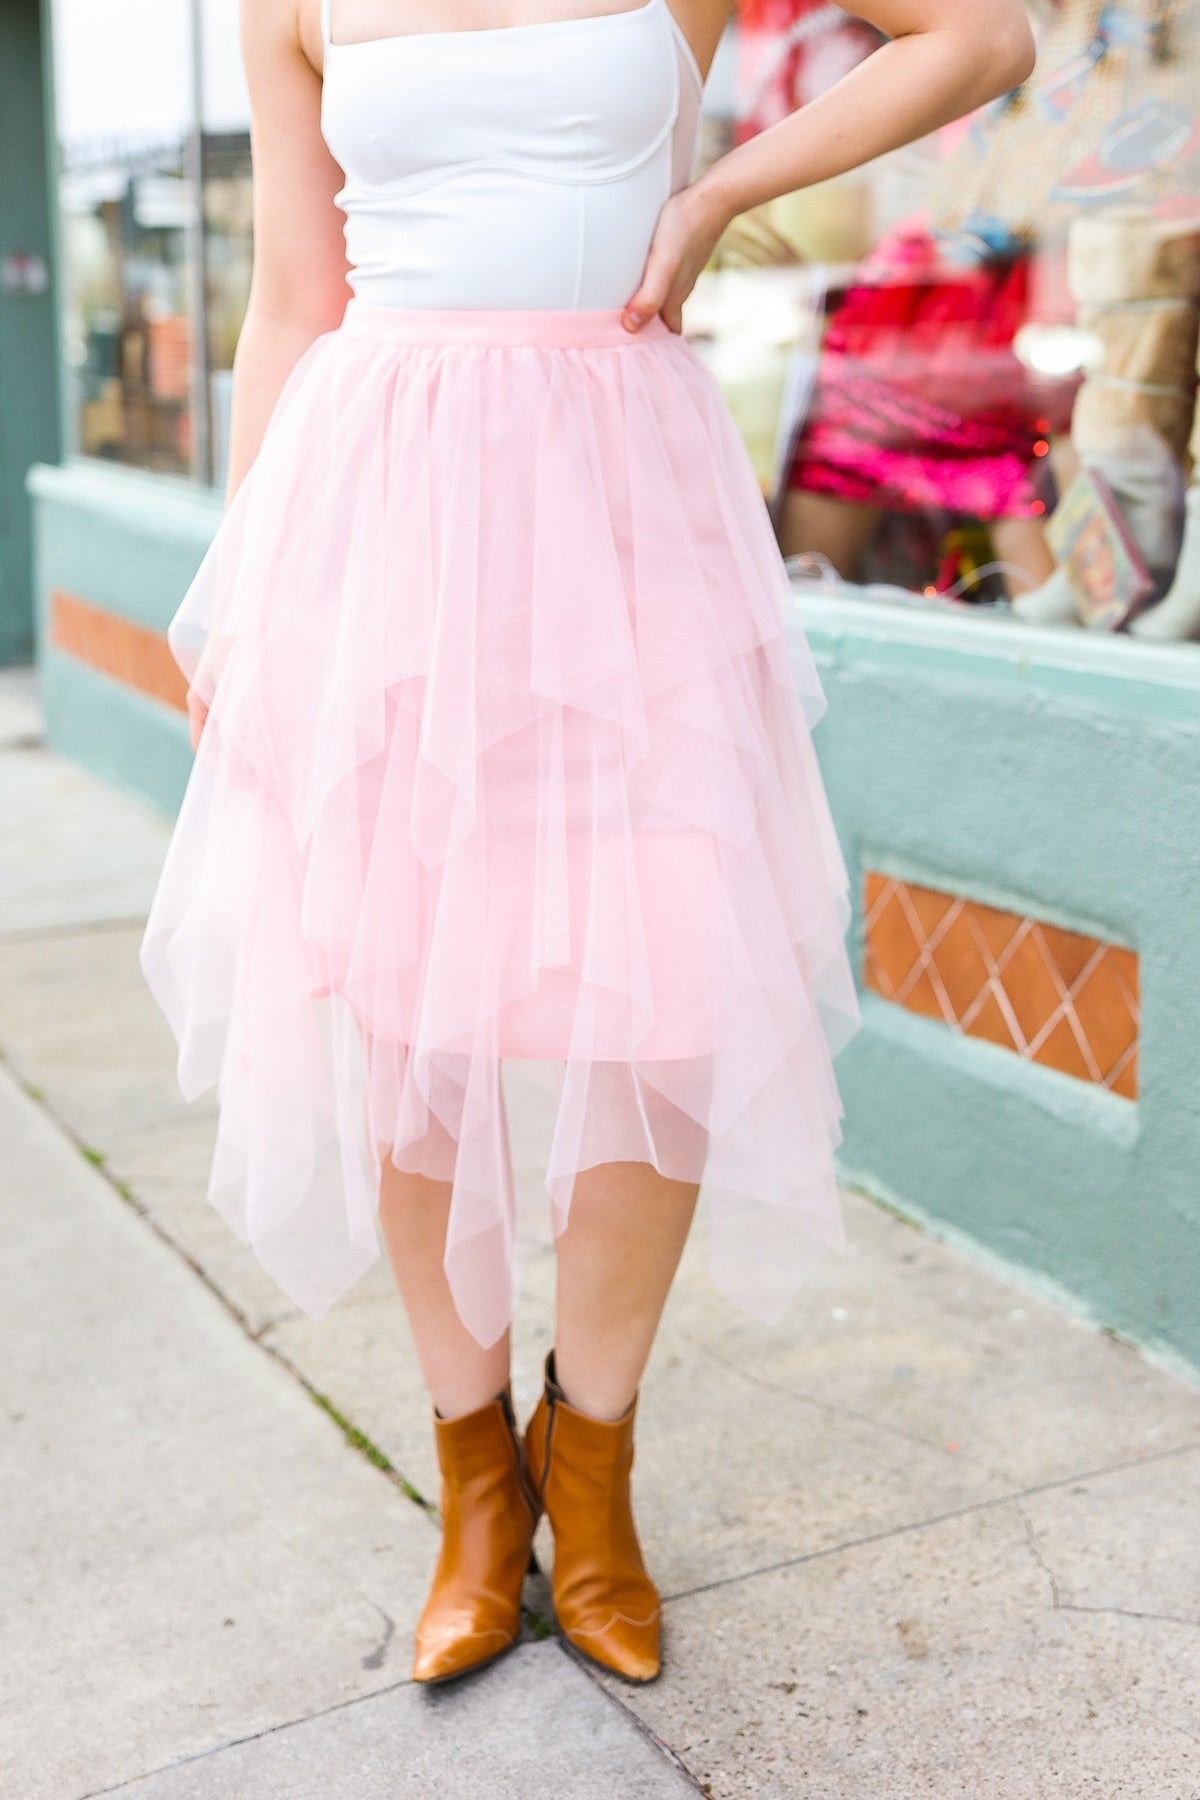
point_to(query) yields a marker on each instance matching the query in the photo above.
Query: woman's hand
(684, 238)
(197, 713)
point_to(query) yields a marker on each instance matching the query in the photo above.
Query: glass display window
(155, 202)
(970, 376)
(123, 89)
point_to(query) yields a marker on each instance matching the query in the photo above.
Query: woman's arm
(298, 284)
(944, 58)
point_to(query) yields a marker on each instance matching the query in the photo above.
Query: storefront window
(155, 197)
(127, 228)
(967, 371)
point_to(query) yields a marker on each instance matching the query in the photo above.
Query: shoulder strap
(685, 48)
(326, 6)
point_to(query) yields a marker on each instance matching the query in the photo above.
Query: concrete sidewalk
(930, 1538)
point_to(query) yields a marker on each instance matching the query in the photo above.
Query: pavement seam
(957, 1512)
(834, 1407)
(1129, 1612)
(250, 1737)
(71, 928)
(644, 1729)
(357, 1440)
(323, 1712)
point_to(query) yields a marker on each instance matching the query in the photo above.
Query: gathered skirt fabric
(508, 765)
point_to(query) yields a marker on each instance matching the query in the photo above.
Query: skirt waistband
(551, 330)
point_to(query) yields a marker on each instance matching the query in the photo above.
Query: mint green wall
(1056, 774)
(29, 404)
(1051, 772)
(130, 543)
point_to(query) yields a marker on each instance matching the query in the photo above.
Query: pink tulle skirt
(507, 775)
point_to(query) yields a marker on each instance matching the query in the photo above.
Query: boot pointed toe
(473, 1613)
(628, 1647)
(451, 1651)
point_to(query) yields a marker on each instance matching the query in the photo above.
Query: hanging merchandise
(922, 406)
(1109, 114)
(920, 400)
(921, 403)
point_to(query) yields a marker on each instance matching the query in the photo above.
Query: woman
(499, 749)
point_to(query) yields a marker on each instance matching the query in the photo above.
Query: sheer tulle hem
(507, 767)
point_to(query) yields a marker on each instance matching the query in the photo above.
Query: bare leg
(460, 1376)
(835, 528)
(616, 1261)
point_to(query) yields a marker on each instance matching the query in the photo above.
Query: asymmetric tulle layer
(508, 759)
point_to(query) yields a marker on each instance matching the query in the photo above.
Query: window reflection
(123, 109)
(228, 209)
(964, 365)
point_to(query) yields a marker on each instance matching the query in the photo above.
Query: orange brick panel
(1060, 998)
(129, 653)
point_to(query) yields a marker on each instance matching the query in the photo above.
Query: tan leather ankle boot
(606, 1603)
(473, 1612)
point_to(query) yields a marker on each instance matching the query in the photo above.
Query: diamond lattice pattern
(1054, 997)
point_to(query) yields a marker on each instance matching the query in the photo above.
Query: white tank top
(522, 166)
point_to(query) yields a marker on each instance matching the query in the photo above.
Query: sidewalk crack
(640, 1725)
(942, 1518)
(250, 1737)
(1035, 1551)
(838, 1410)
(1128, 1612)
(356, 1439)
